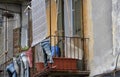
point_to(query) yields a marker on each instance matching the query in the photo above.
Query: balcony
(70, 55)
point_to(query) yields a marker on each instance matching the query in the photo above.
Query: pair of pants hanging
(16, 65)
(11, 70)
(45, 44)
(24, 65)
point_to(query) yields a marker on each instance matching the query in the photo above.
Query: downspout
(29, 29)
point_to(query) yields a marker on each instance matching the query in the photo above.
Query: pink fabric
(29, 56)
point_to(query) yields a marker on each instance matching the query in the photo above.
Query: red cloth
(29, 56)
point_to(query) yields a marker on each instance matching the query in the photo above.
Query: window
(77, 17)
(60, 25)
(60, 20)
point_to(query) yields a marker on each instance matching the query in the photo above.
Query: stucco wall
(102, 25)
(102, 32)
(12, 23)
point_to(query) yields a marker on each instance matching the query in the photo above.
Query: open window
(69, 23)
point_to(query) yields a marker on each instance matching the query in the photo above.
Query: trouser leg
(45, 58)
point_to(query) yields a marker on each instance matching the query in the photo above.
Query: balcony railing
(70, 47)
(69, 53)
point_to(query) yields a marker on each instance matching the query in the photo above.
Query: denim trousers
(21, 66)
(45, 44)
(16, 66)
(25, 65)
(11, 70)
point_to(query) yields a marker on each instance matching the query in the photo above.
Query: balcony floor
(57, 73)
(64, 67)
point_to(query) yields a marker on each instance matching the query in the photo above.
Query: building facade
(97, 21)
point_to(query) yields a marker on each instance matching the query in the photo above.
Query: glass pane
(76, 5)
(60, 26)
(77, 17)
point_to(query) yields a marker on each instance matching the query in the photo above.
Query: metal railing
(66, 47)
(71, 47)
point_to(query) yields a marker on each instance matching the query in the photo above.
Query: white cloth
(39, 21)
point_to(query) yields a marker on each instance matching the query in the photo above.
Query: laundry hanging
(20, 66)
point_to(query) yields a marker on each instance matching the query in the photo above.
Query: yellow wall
(53, 18)
(88, 29)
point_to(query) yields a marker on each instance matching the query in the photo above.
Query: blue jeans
(45, 44)
(21, 66)
(25, 64)
(16, 66)
(11, 70)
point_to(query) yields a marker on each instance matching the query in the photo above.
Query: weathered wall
(12, 23)
(102, 29)
(88, 30)
(102, 25)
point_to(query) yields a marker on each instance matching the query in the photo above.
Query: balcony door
(73, 28)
